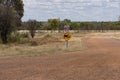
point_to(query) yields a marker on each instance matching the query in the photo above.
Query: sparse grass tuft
(47, 36)
(24, 35)
(14, 38)
(34, 43)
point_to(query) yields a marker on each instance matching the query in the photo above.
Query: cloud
(85, 9)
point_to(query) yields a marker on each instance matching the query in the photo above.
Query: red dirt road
(100, 61)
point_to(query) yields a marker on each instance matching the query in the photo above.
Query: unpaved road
(100, 61)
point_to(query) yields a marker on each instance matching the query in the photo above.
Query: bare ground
(99, 61)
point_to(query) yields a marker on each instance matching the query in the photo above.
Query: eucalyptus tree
(11, 12)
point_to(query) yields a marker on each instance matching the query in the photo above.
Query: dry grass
(117, 35)
(51, 45)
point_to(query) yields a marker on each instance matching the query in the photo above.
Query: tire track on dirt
(100, 61)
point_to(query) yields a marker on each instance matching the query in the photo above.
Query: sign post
(66, 44)
(67, 35)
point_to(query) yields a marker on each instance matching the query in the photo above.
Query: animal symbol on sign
(67, 36)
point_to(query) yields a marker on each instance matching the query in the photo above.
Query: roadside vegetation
(46, 44)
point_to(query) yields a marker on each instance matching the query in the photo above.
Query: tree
(17, 5)
(85, 26)
(61, 25)
(67, 22)
(39, 25)
(32, 26)
(7, 22)
(53, 23)
(82, 26)
(11, 12)
(75, 26)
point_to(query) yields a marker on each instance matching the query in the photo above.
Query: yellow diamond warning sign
(67, 36)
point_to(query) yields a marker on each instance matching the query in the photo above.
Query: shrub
(48, 36)
(14, 38)
(0, 41)
(24, 41)
(24, 35)
(34, 43)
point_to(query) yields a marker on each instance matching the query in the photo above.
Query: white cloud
(69, 8)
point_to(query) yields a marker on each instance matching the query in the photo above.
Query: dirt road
(100, 61)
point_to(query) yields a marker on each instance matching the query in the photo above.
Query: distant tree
(39, 25)
(32, 27)
(47, 27)
(75, 26)
(61, 25)
(24, 26)
(85, 26)
(67, 21)
(53, 23)
(82, 26)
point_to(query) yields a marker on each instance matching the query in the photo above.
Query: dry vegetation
(43, 44)
(117, 35)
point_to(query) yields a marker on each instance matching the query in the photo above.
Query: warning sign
(67, 36)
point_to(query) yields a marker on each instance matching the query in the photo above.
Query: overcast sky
(76, 10)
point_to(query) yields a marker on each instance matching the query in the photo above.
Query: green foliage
(18, 7)
(53, 23)
(18, 38)
(56, 24)
(7, 22)
(14, 38)
(24, 35)
(11, 12)
(75, 26)
(67, 21)
(25, 25)
(0, 41)
(17, 4)
(82, 25)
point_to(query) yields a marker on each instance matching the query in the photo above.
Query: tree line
(57, 24)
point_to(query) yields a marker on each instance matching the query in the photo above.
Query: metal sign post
(67, 35)
(66, 43)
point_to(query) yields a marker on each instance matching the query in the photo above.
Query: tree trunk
(4, 37)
